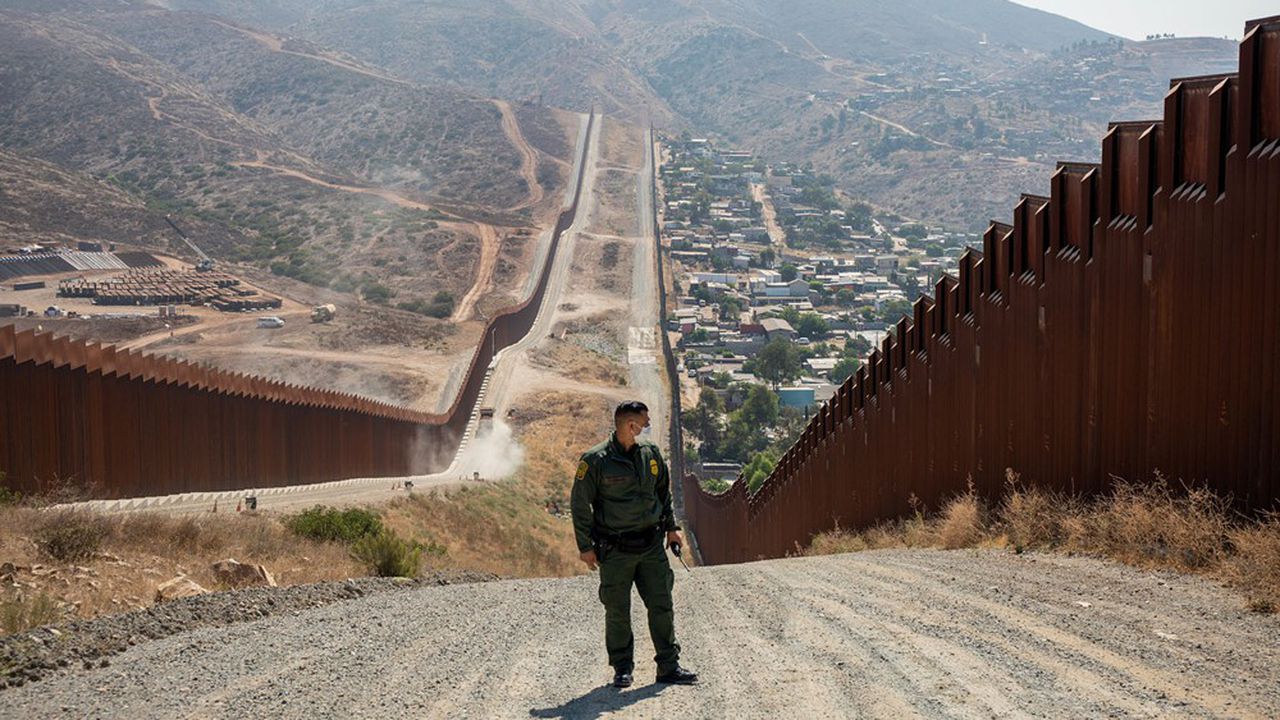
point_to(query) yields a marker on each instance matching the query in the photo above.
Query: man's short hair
(629, 409)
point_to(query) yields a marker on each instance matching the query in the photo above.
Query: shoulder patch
(653, 466)
(582, 470)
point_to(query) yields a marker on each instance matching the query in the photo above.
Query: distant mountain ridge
(941, 110)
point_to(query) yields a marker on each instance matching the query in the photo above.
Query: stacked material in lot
(93, 260)
(12, 266)
(135, 259)
(168, 287)
(57, 261)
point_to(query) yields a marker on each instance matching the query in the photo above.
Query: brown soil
(581, 364)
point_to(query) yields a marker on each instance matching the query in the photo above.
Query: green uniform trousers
(653, 578)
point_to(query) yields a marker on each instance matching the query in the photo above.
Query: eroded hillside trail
(884, 634)
(490, 246)
(275, 44)
(488, 236)
(528, 156)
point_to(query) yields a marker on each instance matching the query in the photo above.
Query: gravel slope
(879, 634)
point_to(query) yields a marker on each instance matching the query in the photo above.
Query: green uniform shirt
(620, 491)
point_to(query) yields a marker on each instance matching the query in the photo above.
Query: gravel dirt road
(886, 634)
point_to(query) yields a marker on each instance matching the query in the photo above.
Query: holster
(601, 545)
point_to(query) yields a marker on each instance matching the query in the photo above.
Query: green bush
(70, 537)
(377, 293)
(332, 525)
(389, 555)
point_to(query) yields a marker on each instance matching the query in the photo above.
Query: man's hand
(589, 557)
(675, 537)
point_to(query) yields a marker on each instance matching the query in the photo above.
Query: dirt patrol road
(885, 634)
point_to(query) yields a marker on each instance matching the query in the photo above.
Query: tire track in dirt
(275, 44)
(528, 156)
(884, 634)
(490, 246)
(490, 240)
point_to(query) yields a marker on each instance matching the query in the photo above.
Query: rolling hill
(941, 110)
(280, 154)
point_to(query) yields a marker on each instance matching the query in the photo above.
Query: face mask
(644, 432)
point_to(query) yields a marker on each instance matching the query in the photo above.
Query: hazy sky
(1138, 18)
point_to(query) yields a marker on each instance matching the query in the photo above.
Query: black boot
(678, 676)
(622, 677)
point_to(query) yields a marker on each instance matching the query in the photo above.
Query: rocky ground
(30, 656)
(876, 634)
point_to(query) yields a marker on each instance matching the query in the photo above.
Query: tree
(858, 216)
(705, 420)
(699, 335)
(789, 272)
(714, 486)
(893, 310)
(720, 380)
(730, 309)
(767, 256)
(777, 363)
(857, 346)
(812, 326)
(913, 231)
(761, 407)
(844, 369)
(759, 469)
(741, 438)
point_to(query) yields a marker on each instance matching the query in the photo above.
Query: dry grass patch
(1149, 525)
(583, 364)
(1254, 567)
(88, 564)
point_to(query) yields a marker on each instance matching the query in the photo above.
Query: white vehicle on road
(270, 322)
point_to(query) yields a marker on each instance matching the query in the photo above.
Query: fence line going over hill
(1127, 324)
(126, 424)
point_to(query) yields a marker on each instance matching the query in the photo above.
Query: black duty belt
(630, 540)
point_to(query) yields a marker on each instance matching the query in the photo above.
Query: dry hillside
(939, 111)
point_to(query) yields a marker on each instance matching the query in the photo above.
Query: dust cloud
(494, 453)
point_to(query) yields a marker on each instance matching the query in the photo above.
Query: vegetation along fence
(1127, 324)
(127, 424)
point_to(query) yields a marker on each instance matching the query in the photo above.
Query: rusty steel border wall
(1126, 325)
(675, 452)
(123, 424)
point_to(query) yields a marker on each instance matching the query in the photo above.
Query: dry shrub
(1035, 518)
(70, 536)
(188, 534)
(963, 522)
(1255, 565)
(884, 535)
(915, 530)
(835, 542)
(1150, 525)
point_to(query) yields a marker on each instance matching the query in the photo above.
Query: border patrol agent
(621, 512)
